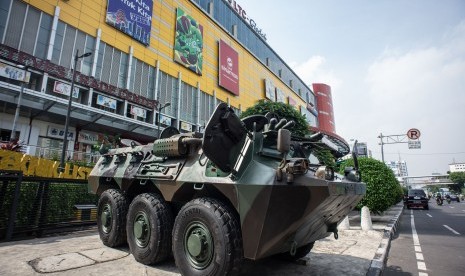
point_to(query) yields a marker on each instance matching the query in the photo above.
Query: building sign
(14, 73)
(186, 126)
(188, 43)
(292, 102)
(242, 13)
(280, 97)
(132, 17)
(414, 144)
(165, 120)
(106, 102)
(57, 132)
(88, 138)
(65, 89)
(139, 112)
(228, 68)
(270, 93)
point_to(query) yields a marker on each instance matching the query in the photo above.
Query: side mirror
(284, 140)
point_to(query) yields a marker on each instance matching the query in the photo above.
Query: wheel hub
(141, 229)
(198, 245)
(105, 218)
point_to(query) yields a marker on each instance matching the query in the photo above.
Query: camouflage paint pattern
(274, 215)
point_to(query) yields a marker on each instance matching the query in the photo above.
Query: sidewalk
(356, 252)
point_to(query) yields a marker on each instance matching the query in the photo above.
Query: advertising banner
(188, 43)
(228, 68)
(292, 102)
(280, 96)
(312, 109)
(139, 112)
(165, 120)
(185, 126)
(14, 73)
(106, 102)
(132, 17)
(270, 90)
(65, 89)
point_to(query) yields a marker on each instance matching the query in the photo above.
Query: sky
(392, 65)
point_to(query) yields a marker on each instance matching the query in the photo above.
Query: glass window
(60, 33)
(44, 36)
(4, 6)
(30, 32)
(15, 24)
(86, 66)
(123, 70)
(101, 51)
(67, 52)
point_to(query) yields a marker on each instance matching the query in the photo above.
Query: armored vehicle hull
(215, 198)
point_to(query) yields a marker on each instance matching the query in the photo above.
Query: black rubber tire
(118, 203)
(426, 207)
(160, 220)
(225, 231)
(299, 253)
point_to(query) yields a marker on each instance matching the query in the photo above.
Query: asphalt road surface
(429, 242)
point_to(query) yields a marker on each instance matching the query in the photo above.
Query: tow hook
(336, 235)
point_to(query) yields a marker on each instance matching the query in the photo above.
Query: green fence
(30, 205)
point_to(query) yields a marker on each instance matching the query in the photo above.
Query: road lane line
(452, 230)
(416, 243)
(452, 207)
(429, 215)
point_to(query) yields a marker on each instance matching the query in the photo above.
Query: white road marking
(421, 265)
(452, 207)
(452, 230)
(416, 243)
(429, 215)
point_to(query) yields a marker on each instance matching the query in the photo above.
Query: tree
(283, 111)
(383, 189)
(459, 179)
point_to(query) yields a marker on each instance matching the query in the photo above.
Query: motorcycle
(448, 199)
(439, 201)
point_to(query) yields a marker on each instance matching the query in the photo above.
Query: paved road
(429, 242)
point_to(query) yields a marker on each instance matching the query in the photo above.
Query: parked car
(417, 198)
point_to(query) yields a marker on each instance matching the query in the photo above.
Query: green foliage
(325, 157)
(383, 189)
(457, 178)
(285, 111)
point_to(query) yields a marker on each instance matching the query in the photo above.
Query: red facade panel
(324, 103)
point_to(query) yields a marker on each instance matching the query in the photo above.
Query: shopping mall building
(133, 58)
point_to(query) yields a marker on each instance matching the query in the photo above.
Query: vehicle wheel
(111, 217)
(149, 226)
(207, 239)
(426, 207)
(299, 253)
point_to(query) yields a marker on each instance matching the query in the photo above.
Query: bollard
(366, 219)
(344, 225)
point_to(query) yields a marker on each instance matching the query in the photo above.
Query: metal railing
(32, 205)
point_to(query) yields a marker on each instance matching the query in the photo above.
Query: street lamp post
(18, 106)
(158, 118)
(65, 138)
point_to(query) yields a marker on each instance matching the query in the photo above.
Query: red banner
(229, 68)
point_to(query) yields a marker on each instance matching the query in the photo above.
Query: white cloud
(314, 70)
(422, 88)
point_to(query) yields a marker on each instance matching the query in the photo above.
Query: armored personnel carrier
(242, 189)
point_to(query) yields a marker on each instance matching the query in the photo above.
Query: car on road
(416, 198)
(454, 197)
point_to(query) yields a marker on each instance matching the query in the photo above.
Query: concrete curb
(379, 260)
